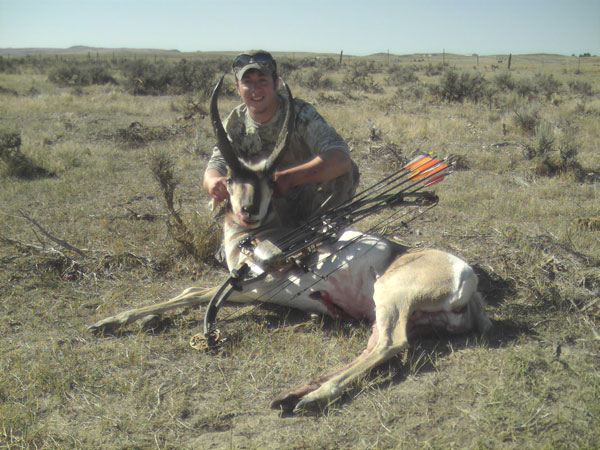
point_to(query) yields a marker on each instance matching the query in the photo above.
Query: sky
(485, 27)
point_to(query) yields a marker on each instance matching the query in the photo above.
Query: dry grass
(533, 383)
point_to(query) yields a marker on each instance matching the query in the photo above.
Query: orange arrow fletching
(430, 172)
(418, 162)
(423, 168)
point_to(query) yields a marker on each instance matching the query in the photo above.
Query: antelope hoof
(101, 328)
(150, 322)
(108, 325)
(285, 403)
(311, 404)
(305, 400)
(319, 399)
(294, 404)
(287, 400)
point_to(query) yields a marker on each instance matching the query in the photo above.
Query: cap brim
(257, 66)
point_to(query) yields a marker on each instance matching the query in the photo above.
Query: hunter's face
(259, 92)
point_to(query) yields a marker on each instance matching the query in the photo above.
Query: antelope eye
(229, 181)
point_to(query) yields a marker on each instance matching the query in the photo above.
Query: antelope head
(250, 182)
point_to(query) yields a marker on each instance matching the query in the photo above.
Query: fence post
(341, 55)
(509, 59)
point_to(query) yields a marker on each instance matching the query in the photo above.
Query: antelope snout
(250, 210)
(248, 216)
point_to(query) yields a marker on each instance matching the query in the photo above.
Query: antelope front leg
(189, 297)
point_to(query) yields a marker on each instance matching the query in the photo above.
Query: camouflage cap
(257, 59)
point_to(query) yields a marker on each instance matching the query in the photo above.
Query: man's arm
(215, 184)
(331, 164)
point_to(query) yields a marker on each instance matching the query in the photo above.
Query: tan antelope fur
(401, 292)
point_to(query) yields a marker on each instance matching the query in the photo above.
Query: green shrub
(456, 88)
(561, 161)
(526, 119)
(398, 74)
(434, 70)
(81, 74)
(504, 81)
(200, 237)
(554, 163)
(414, 91)
(367, 67)
(568, 145)
(161, 78)
(15, 65)
(207, 238)
(526, 88)
(314, 79)
(544, 138)
(285, 66)
(327, 64)
(7, 91)
(547, 84)
(8, 65)
(13, 163)
(358, 77)
(193, 76)
(581, 87)
(146, 78)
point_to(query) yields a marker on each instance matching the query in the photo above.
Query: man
(314, 173)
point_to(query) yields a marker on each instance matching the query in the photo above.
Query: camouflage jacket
(312, 136)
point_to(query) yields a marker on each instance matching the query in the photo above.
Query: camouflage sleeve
(217, 162)
(317, 134)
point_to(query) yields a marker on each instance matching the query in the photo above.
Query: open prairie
(101, 164)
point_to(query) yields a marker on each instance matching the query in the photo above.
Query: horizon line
(76, 49)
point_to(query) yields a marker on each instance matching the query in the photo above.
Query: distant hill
(84, 50)
(80, 50)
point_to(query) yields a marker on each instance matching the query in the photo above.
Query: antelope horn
(223, 143)
(286, 132)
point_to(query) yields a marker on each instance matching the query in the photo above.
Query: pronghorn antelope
(364, 276)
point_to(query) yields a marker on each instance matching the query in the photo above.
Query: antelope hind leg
(407, 286)
(189, 297)
(288, 399)
(388, 339)
(478, 318)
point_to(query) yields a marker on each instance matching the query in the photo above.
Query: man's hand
(216, 185)
(283, 182)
